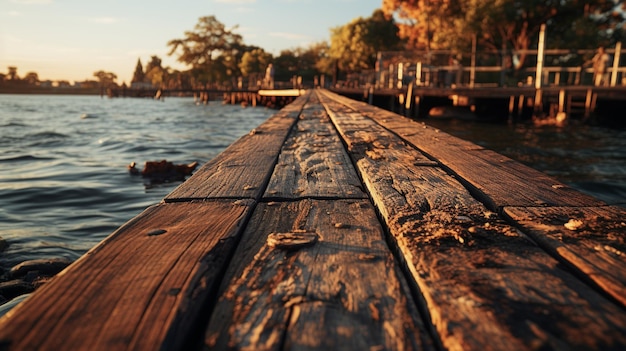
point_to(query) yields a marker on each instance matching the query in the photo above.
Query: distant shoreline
(29, 90)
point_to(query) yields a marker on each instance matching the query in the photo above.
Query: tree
(254, 62)
(106, 79)
(155, 62)
(155, 73)
(304, 62)
(355, 45)
(286, 65)
(324, 64)
(499, 25)
(138, 75)
(210, 49)
(13, 73)
(31, 78)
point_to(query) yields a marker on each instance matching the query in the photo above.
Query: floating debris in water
(163, 171)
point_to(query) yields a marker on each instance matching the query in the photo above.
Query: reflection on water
(588, 158)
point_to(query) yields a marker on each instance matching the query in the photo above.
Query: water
(591, 159)
(64, 185)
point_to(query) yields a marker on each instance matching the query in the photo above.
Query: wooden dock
(336, 225)
(501, 103)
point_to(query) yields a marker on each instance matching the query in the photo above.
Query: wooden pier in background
(336, 225)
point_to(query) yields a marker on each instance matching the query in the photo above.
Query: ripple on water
(64, 185)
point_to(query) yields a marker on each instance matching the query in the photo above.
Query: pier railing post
(540, 47)
(473, 63)
(616, 55)
(539, 74)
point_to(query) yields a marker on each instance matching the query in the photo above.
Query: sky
(72, 39)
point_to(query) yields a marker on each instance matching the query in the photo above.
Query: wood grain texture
(274, 298)
(140, 289)
(485, 285)
(243, 169)
(497, 180)
(591, 239)
(313, 162)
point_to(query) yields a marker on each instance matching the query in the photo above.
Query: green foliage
(355, 45)
(138, 75)
(306, 62)
(155, 73)
(13, 73)
(502, 25)
(106, 79)
(254, 62)
(212, 50)
(31, 78)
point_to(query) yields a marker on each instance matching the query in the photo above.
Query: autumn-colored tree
(355, 45)
(499, 25)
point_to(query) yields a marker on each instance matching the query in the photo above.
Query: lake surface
(591, 159)
(64, 185)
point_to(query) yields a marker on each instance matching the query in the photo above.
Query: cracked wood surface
(342, 292)
(485, 285)
(591, 239)
(313, 162)
(138, 289)
(498, 180)
(430, 243)
(243, 169)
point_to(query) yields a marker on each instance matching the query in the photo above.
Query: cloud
(32, 1)
(291, 36)
(14, 13)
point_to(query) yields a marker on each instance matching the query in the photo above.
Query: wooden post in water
(588, 104)
(409, 98)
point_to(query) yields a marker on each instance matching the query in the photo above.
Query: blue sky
(71, 39)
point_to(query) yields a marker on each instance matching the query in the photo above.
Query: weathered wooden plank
(277, 294)
(313, 162)
(497, 180)
(141, 288)
(485, 285)
(243, 169)
(592, 239)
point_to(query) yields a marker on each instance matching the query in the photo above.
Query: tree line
(215, 55)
